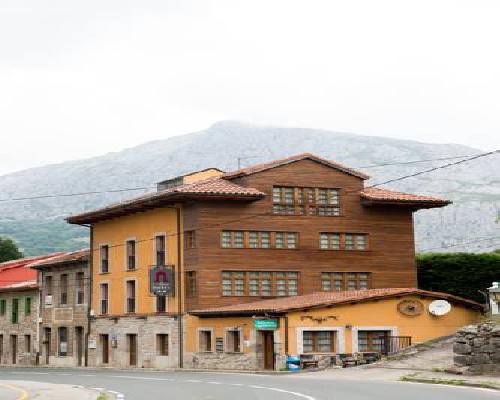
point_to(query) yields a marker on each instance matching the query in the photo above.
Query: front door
(105, 349)
(79, 345)
(132, 347)
(13, 344)
(47, 345)
(268, 337)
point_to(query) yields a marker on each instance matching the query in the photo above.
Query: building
(290, 227)
(64, 308)
(19, 312)
(259, 335)
(494, 298)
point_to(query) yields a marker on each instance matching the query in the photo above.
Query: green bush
(461, 274)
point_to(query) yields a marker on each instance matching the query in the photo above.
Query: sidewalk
(23, 390)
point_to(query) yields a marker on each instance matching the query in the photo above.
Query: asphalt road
(9, 392)
(148, 385)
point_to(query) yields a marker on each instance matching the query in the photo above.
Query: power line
(433, 169)
(462, 244)
(48, 196)
(389, 163)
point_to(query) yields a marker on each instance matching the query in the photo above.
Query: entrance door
(1, 348)
(268, 342)
(48, 338)
(132, 348)
(105, 349)
(79, 345)
(13, 348)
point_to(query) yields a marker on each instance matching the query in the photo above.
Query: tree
(9, 250)
(461, 274)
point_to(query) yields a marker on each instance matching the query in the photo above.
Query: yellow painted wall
(374, 313)
(142, 227)
(198, 176)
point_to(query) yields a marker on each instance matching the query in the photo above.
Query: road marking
(24, 393)
(86, 375)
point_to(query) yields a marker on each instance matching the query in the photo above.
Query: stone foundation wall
(477, 349)
(146, 330)
(225, 361)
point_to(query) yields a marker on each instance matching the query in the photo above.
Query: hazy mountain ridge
(474, 187)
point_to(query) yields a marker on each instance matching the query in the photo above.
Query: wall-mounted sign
(92, 344)
(439, 307)
(161, 280)
(265, 324)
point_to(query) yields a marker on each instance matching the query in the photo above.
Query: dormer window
(306, 201)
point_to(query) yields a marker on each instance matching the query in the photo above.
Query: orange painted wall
(115, 232)
(375, 313)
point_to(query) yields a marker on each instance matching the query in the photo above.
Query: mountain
(474, 187)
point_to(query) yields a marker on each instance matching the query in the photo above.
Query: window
(131, 296)
(104, 298)
(259, 283)
(48, 285)
(372, 341)
(63, 341)
(233, 341)
(160, 250)
(318, 341)
(162, 344)
(351, 241)
(27, 306)
(27, 343)
(205, 340)
(339, 281)
(355, 241)
(104, 258)
(3, 306)
(63, 287)
(190, 240)
(131, 254)
(15, 311)
(259, 240)
(191, 283)
(80, 294)
(306, 201)
(161, 304)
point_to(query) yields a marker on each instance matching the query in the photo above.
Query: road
(149, 385)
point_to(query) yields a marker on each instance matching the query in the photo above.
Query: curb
(450, 382)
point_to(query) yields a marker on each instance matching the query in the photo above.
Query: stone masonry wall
(477, 349)
(25, 329)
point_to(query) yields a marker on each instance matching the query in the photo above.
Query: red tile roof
(322, 299)
(385, 196)
(288, 160)
(210, 188)
(17, 274)
(64, 258)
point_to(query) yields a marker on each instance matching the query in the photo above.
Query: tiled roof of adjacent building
(379, 195)
(17, 275)
(283, 161)
(210, 188)
(64, 258)
(322, 299)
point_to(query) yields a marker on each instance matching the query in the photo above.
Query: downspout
(89, 289)
(179, 294)
(286, 335)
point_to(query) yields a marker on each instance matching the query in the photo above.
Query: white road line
(214, 383)
(86, 375)
(142, 378)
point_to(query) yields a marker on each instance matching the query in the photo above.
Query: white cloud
(80, 79)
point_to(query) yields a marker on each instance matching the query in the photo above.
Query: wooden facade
(388, 257)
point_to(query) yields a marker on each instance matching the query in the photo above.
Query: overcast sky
(82, 78)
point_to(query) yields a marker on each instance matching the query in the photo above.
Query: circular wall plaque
(410, 308)
(439, 307)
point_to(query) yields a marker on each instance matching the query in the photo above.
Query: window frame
(27, 306)
(102, 299)
(345, 280)
(157, 251)
(131, 244)
(61, 329)
(79, 288)
(14, 312)
(63, 290)
(315, 345)
(190, 239)
(249, 278)
(210, 342)
(342, 241)
(253, 239)
(129, 301)
(306, 201)
(191, 284)
(162, 344)
(237, 333)
(104, 264)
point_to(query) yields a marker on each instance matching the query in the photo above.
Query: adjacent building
(208, 240)
(19, 312)
(64, 282)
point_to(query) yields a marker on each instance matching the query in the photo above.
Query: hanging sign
(161, 280)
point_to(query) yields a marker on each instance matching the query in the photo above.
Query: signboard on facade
(161, 280)
(265, 324)
(92, 344)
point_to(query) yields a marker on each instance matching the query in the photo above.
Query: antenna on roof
(244, 158)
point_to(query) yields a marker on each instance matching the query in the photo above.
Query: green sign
(269, 324)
